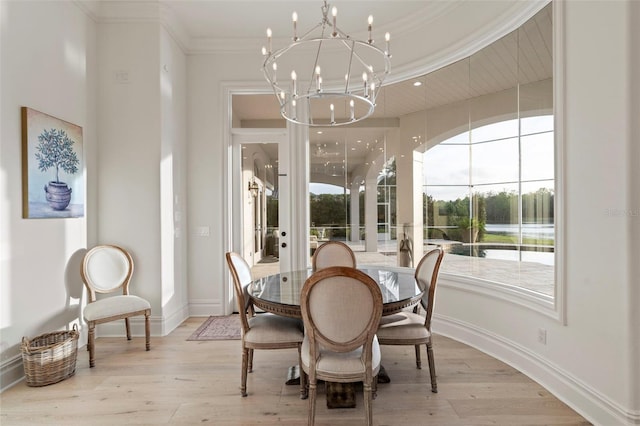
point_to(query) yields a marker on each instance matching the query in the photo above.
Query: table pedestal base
(339, 395)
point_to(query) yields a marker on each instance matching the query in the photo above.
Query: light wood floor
(189, 383)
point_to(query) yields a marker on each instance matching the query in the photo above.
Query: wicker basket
(50, 358)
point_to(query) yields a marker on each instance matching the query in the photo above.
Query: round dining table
(280, 293)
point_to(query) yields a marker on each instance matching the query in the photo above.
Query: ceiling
(243, 19)
(416, 27)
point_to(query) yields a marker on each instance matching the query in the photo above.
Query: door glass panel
(260, 207)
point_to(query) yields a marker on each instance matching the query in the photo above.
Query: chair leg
(250, 361)
(368, 396)
(245, 363)
(432, 368)
(418, 360)
(312, 401)
(126, 324)
(91, 344)
(147, 330)
(374, 387)
(303, 378)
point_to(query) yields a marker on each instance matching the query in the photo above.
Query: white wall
(48, 63)
(142, 163)
(208, 162)
(173, 182)
(129, 153)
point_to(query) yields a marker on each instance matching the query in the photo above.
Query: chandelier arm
(315, 63)
(309, 117)
(352, 49)
(303, 37)
(342, 34)
(364, 64)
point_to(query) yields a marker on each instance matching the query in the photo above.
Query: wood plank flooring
(183, 382)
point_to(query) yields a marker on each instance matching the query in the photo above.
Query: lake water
(528, 230)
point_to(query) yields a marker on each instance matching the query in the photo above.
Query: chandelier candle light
(344, 74)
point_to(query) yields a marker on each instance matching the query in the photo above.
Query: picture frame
(52, 167)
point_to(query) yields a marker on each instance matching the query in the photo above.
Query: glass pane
(447, 94)
(328, 189)
(445, 206)
(493, 109)
(495, 161)
(536, 124)
(494, 131)
(446, 165)
(259, 165)
(538, 212)
(537, 156)
(499, 213)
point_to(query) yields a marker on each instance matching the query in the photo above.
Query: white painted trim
(11, 372)
(231, 232)
(206, 307)
(520, 296)
(587, 401)
(227, 199)
(173, 321)
(559, 95)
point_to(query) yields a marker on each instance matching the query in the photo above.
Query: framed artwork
(52, 168)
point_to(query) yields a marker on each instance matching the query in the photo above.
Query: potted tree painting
(55, 151)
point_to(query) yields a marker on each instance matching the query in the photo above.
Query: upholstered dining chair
(339, 342)
(264, 330)
(411, 328)
(333, 253)
(107, 269)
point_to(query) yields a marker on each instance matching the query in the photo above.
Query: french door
(260, 188)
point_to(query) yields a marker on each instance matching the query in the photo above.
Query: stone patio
(533, 276)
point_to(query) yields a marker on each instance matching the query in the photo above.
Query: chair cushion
(270, 328)
(341, 363)
(403, 325)
(114, 306)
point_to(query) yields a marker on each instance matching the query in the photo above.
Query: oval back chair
(264, 330)
(411, 328)
(339, 342)
(107, 269)
(333, 253)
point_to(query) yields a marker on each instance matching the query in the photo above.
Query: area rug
(219, 328)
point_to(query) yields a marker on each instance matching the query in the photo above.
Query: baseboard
(172, 321)
(11, 372)
(588, 402)
(205, 307)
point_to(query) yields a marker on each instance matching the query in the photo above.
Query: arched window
(490, 202)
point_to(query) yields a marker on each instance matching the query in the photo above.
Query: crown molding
(412, 26)
(513, 17)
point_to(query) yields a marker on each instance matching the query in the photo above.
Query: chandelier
(324, 77)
